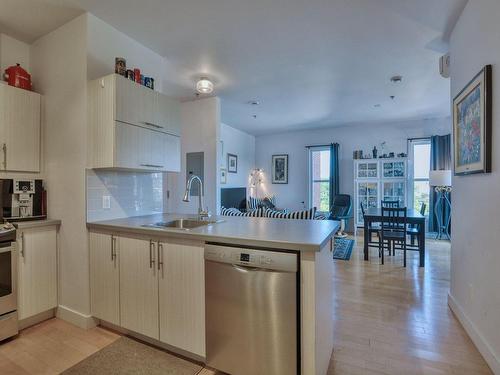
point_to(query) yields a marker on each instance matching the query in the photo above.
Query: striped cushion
(254, 203)
(235, 212)
(303, 215)
(272, 199)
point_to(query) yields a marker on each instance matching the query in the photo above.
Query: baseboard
(31, 321)
(76, 318)
(482, 345)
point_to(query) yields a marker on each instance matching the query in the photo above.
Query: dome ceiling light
(204, 86)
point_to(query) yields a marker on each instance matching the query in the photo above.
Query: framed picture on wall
(232, 163)
(472, 121)
(280, 169)
(223, 176)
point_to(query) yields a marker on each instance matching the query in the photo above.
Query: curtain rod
(418, 138)
(328, 145)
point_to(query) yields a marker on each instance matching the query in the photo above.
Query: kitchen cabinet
(132, 127)
(105, 277)
(139, 286)
(37, 270)
(182, 295)
(152, 287)
(19, 129)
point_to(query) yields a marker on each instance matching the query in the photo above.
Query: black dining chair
(393, 230)
(389, 203)
(372, 227)
(414, 229)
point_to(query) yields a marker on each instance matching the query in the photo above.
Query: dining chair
(372, 227)
(414, 229)
(393, 230)
(389, 203)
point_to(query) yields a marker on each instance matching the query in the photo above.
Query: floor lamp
(441, 180)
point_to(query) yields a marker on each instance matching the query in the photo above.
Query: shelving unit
(378, 179)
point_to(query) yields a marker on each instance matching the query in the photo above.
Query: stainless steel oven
(8, 283)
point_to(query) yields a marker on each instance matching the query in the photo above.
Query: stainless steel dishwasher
(251, 311)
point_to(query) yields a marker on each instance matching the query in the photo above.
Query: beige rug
(127, 356)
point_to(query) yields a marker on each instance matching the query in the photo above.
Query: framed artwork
(223, 176)
(280, 169)
(472, 121)
(232, 163)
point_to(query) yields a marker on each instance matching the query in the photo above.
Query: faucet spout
(202, 214)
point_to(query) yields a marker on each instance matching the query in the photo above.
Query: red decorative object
(18, 77)
(137, 75)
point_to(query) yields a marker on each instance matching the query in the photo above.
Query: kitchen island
(150, 281)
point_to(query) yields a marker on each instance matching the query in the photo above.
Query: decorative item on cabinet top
(133, 74)
(16, 76)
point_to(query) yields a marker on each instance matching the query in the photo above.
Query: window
(420, 161)
(319, 181)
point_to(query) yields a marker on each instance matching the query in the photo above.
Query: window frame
(411, 170)
(310, 181)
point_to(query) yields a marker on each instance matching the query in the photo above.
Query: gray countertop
(35, 223)
(302, 235)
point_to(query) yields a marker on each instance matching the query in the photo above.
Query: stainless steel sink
(183, 224)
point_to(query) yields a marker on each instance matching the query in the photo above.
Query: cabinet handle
(4, 149)
(153, 125)
(113, 248)
(22, 245)
(151, 254)
(160, 258)
(152, 166)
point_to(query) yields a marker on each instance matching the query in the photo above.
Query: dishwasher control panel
(252, 257)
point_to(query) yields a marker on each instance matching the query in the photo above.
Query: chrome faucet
(202, 214)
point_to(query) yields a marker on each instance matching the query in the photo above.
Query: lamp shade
(440, 178)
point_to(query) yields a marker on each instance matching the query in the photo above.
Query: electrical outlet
(106, 202)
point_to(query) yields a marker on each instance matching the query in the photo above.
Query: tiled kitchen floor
(388, 320)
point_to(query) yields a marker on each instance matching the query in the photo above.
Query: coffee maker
(22, 199)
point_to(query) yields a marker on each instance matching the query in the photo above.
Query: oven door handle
(6, 247)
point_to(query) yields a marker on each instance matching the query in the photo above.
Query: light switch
(106, 202)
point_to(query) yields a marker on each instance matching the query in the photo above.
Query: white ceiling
(310, 63)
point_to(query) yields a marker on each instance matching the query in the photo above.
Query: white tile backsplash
(131, 194)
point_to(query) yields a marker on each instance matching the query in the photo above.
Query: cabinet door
(139, 287)
(131, 144)
(105, 277)
(135, 104)
(171, 155)
(168, 114)
(37, 271)
(20, 123)
(182, 296)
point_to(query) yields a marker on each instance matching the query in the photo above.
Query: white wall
(475, 276)
(13, 51)
(60, 74)
(241, 144)
(350, 137)
(200, 133)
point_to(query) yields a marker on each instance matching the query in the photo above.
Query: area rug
(127, 356)
(343, 248)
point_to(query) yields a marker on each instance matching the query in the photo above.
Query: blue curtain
(440, 160)
(334, 171)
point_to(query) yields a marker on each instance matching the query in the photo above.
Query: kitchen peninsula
(149, 279)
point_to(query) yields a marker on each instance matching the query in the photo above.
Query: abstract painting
(232, 163)
(472, 126)
(280, 169)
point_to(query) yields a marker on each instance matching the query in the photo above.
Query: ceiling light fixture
(254, 102)
(204, 86)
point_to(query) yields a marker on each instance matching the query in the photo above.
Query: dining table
(414, 217)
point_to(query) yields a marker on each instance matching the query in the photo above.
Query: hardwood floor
(388, 320)
(392, 320)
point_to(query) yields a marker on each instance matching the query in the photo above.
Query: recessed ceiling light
(204, 86)
(254, 102)
(377, 105)
(396, 79)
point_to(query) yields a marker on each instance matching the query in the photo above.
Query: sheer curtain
(440, 160)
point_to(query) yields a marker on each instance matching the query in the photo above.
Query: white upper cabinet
(132, 126)
(19, 130)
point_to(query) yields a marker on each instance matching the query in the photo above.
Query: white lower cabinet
(105, 277)
(154, 288)
(182, 296)
(37, 271)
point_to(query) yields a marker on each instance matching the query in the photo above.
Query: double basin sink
(182, 224)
